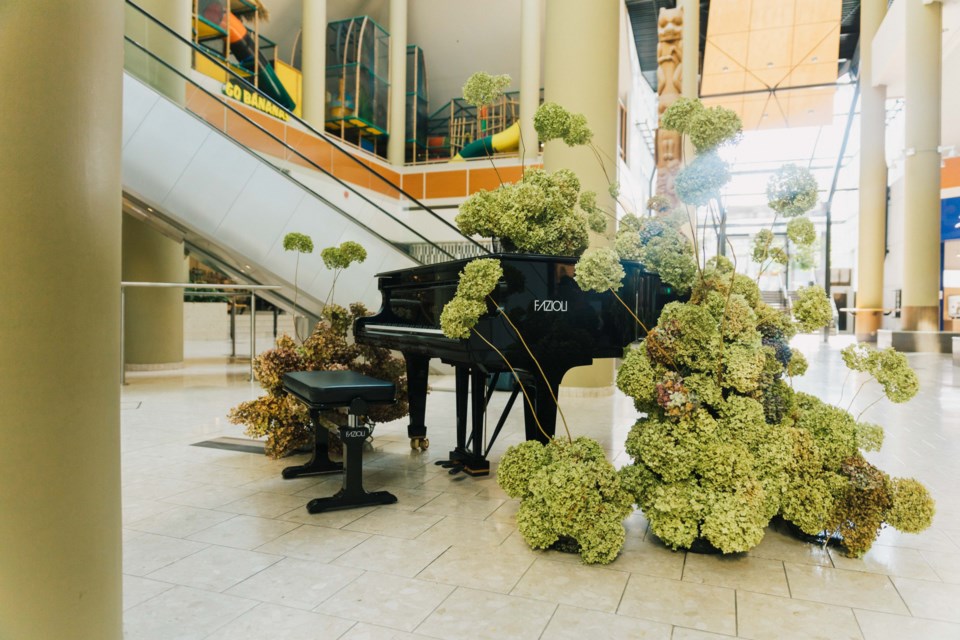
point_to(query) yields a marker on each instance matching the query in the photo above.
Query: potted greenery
(277, 416)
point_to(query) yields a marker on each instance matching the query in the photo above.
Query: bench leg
(320, 463)
(352, 494)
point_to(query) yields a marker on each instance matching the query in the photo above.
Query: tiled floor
(217, 545)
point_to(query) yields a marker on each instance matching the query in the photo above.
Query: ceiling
(643, 15)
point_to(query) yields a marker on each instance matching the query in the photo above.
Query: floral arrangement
(282, 420)
(300, 243)
(538, 214)
(567, 489)
(277, 416)
(483, 89)
(725, 443)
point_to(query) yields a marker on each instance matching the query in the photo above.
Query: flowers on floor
(725, 443)
(567, 490)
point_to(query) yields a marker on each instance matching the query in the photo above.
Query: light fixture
(814, 58)
(725, 69)
(769, 65)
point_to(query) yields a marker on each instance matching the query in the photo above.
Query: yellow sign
(255, 100)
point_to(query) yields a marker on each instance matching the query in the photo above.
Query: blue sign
(950, 219)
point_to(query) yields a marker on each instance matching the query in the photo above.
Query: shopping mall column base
(920, 318)
(866, 326)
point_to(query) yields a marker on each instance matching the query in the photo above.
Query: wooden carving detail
(669, 86)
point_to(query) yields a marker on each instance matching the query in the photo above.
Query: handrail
(270, 135)
(320, 134)
(252, 288)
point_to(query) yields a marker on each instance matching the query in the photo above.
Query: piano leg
(418, 370)
(546, 407)
(468, 456)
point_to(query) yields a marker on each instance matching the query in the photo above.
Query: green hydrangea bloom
(675, 511)
(479, 278)
(792, 191)
(679, 115)
(482, 89)
(869, 436)
(812, 309)
(568, 489)
(894, 373)
(779, 255)
(578, 133)
(810, 502)
(801, 231)
(689, 334)
(912, 507)
(710, 128)
(761, 245)
(459, 316)
(743, 364)
(735, 521)
(599, 270)
(343, 256)
(669, 450)
(637, 376)
(516, 466)
(299, 242)
(798, 364)
(658, 204)
(701, 180)
(833, 429)
(551, 121)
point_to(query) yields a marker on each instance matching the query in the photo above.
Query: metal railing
(238, 289)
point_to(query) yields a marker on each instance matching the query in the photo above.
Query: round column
(397, 144)
(314, 62)
(581, 55)
(60, 543)
(921, 234)
(871, 248)
(178, 16)
(153, 322)
(530, 41)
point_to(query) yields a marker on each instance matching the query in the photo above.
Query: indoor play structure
(220, 22)
(418, 112)
(358, 89)
(506, 140)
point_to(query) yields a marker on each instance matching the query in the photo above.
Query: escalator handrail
(291, 149)
(320, 134)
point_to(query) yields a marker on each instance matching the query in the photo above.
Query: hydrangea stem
(563, 418)
(526, 396)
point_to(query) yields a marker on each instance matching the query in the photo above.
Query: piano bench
(325, 390)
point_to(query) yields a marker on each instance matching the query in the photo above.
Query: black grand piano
(563, 326)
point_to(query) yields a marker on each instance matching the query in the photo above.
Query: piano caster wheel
(419, 444)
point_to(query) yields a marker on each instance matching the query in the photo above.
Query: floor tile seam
(206, 545)
(255, 603)
(170, 585)
(314, 609)
(848, 606)
(568, 564)
(221, 591)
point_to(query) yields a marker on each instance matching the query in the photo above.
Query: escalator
(231, 183)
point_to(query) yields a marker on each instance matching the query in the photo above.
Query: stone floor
(217, 545)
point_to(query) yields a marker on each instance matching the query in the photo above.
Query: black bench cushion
(337, 388)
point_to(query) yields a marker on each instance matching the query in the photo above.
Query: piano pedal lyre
(419, 443)
(453, 467)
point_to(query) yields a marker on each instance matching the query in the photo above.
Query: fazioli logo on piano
(549, 305)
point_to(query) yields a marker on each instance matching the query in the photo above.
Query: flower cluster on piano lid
(543, 212)
(724, 443)
(277, 416)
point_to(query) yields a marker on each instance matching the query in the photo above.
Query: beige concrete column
(397, 144)
(921, 273)
(314, 62)
(175, 14)
(60, 559)
(691, 48)
(153, 319)
(871, 248)
(530, 41)
(581, 55)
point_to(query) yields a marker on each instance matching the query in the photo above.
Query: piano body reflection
(563, 326)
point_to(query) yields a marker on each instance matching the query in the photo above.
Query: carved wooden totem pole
(669, 86)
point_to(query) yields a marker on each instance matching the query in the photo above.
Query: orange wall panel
(413, 184)
(446, 184)
(311, 147)
(950, 173)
